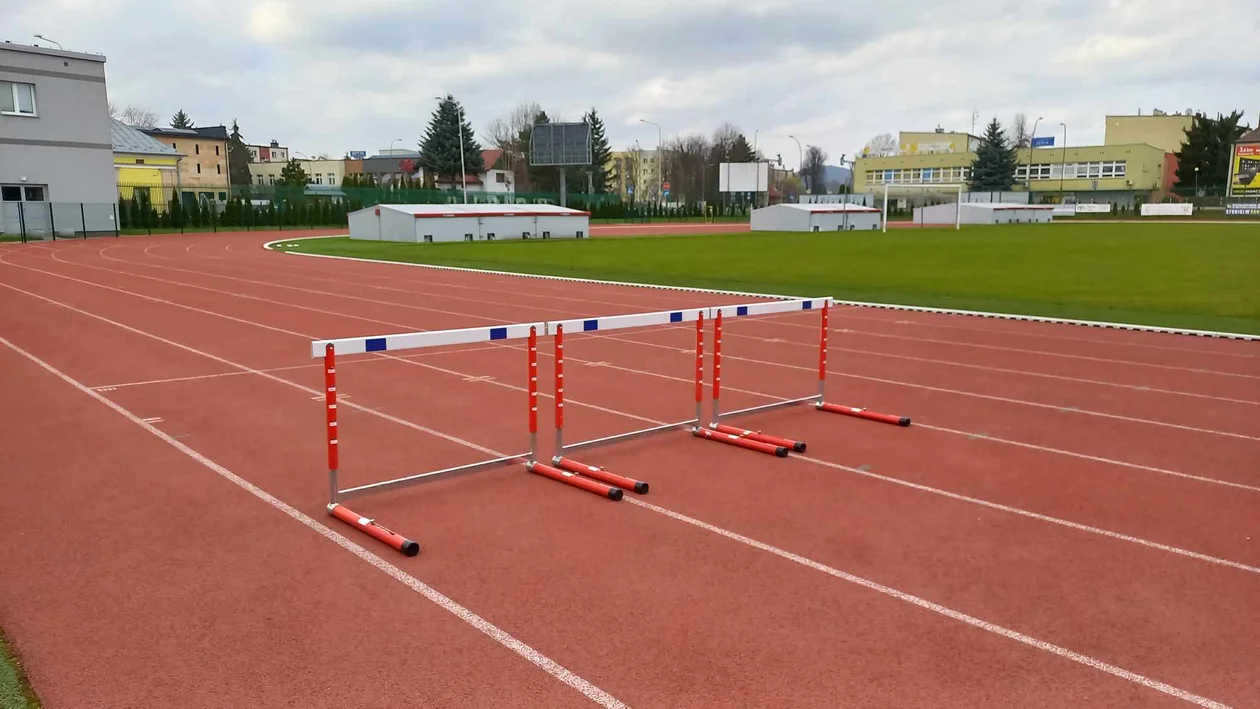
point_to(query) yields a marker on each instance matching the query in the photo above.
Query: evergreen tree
(741, 151)
(1209, 146)
(602, 175)
(993, 170)
(293, 175)
(238, 158)
(181, 120)
(441, 147)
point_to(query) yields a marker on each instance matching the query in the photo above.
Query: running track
(1074, 519)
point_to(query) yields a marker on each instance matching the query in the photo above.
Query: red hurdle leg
(600, 474)
(568, 478)
(729, 439)
(864, 414)
(374, 530)
(795, 446)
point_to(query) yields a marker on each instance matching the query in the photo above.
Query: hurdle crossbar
(329, 349)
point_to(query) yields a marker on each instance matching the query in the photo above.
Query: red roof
(490, 157)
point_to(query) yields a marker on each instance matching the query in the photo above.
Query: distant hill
(835, 175)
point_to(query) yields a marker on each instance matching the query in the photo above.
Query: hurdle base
(794, 446)
(570, 478)
(863, 414)
(374, 530)
(600, 474)
(737, 441)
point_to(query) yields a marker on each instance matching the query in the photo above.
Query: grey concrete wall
(66, 145)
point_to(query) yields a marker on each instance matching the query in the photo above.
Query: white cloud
(332, 75)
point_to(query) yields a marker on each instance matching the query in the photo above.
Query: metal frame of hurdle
(562, 467)
(756, 440)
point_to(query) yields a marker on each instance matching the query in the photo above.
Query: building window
(17, 99)
(174, 146)
(197, 148)
(218, 169)
(139, 161)
(198, 168)
(216, 150)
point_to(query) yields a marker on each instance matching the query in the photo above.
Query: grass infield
(1200, 276)
(15, 691)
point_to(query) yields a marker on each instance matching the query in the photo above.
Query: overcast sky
(339, 75)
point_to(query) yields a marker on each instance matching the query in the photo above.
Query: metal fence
(39, 221)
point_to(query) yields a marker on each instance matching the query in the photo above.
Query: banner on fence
(1184, 209)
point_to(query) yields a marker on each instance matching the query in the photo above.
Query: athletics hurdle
(330, 349)
(756, 440)
(566, 463)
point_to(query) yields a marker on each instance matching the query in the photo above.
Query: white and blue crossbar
(434, 338)
(778, 306)
(618, 322)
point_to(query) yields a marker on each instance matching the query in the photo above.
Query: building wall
(267, 153)
(1142, 172)
(66, 145)
(151, 171)
(321, 172)
(205, 161)
(920, 143)
(1168, 132)
(644, 166)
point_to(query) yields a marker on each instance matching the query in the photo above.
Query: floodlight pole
(660, 157)
(800, 162)
(1028, 177)
(885, 220)
(463, 170)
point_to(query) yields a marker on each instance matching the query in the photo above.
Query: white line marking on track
(534, 657)
(153, 420)
(938, 609)
(1097, 664)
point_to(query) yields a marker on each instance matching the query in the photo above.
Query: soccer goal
(939, 204)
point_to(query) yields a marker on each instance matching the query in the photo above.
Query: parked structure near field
(815, 217)
(424, 223)
(984, 213)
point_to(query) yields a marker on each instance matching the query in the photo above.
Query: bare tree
(113, 109)
(138, 116)
(881, 145)
(686, 164)
(1018, 134)
(507, 132)
(814, 170)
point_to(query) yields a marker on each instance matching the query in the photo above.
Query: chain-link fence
(39, 221)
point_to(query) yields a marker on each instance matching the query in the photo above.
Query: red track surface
(1063, 490)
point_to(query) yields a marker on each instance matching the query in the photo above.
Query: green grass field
(1203, 276)
(15, 693)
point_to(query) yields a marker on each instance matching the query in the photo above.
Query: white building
(423, 223)
(984, 213)
(329, 173)
(815, 217)
(268, 153)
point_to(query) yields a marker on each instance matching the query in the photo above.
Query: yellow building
(145, 169)
(203, 173)
(638, 174)
(1161, 130)
(1119, 173)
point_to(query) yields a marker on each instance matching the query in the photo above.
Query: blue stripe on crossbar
(374, 344)
(675, 317)
(741, 310)
(498, 333)
(590, 325)
(807, 305)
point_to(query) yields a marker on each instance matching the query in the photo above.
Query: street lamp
(756, 177)
(40, 36)
(1196, 181)
(391, 145)
(1063, 165)
(1028, 177)
(660, 155)
(459, 119)
(800, 162)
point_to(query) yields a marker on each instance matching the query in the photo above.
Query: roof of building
(35, 49)
(220, 132)
(159, 130)
(824, 208)
(1250, 137)
(422, 211)
(491, 158)
(127, 139)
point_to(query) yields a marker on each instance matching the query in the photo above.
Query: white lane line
(1097, 664)
(1038, 516)
(771, 319)
(989, 397)
(534, 657)
(938, 609)
(152, 420)
(230, 363)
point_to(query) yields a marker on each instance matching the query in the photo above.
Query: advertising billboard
(1244, 171)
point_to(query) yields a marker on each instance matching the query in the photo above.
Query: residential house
(268, 153)
(203, 172)
(146, 169)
